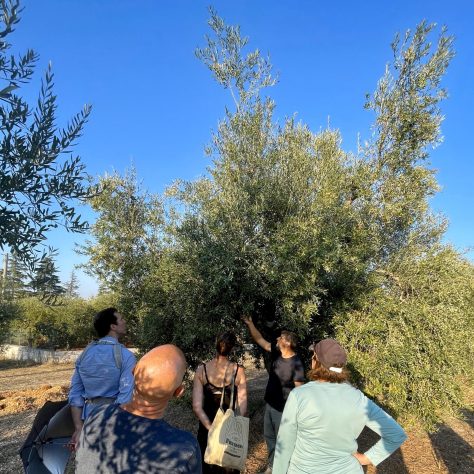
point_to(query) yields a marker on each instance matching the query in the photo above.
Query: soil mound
(22, 400)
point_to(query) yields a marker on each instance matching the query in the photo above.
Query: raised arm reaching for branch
(256, 334)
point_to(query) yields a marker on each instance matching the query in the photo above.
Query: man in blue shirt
(133, 437)
(103, 373)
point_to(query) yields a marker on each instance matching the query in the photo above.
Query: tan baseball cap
(330, 353)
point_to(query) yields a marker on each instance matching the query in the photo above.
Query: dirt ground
(25, 388)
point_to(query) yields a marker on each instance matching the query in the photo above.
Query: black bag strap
(205, 372)
(223, 386)
(232, 390)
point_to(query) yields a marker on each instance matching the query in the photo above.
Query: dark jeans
(271, 423)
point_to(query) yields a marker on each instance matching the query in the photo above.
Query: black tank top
(212, 396)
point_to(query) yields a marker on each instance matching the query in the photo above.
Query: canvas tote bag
(228, 437)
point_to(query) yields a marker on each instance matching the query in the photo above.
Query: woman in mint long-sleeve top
(323, 418)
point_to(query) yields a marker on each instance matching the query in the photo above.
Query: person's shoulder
(346, 386)
(359, 395)
(297, 359)
(200, 370)
(310, 388)
(345, 389)
(183, 436)
(127, 353)
(275, 353)
(238, 367)
(300, 393)
(303, 389)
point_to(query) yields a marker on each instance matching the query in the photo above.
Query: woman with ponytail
(209, 381)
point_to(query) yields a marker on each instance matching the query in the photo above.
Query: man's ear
(179, 392)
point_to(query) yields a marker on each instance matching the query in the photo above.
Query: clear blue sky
(156, 105)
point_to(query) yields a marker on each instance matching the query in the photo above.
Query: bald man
(133, 437)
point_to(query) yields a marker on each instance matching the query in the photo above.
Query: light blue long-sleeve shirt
(97, 375)
(320, 426)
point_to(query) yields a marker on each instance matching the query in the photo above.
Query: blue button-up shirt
(97, 375)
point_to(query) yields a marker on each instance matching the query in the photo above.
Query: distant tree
(15, 284)
(65, 325)
(71, 288)
(126, 239)
(38, 188)
(45, 282)
(9, 311)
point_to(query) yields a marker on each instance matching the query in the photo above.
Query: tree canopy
(333, 243)
(126, 238)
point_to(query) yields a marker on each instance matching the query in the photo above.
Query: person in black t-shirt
(286, 372)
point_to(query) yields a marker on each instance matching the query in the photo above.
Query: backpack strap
(117, 352)
(118, 355)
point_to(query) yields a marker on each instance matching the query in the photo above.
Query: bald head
(159, 373)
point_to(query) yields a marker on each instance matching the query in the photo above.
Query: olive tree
(39, 185)
(342, 244)
(126, 239)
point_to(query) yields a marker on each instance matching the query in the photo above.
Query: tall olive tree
(341, 244)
